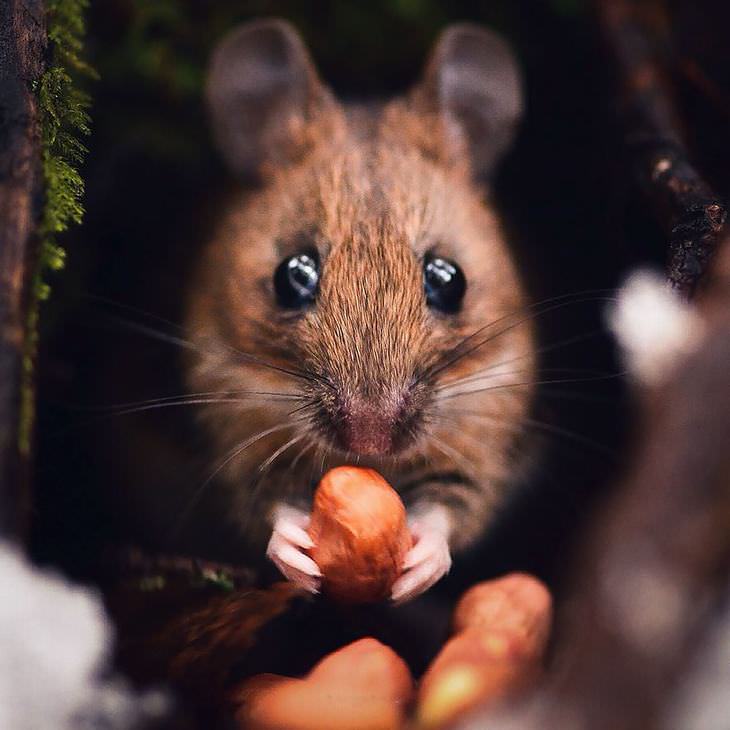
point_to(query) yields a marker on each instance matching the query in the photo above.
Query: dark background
(152, 182)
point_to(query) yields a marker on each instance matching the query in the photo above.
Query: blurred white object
(55, 644)
(654, 327)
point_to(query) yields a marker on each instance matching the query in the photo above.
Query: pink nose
(367, 429)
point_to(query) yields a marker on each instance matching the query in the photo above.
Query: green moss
(219, 579)
(64, 119)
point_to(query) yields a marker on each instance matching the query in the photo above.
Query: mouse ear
(473, 83)
(261, 90)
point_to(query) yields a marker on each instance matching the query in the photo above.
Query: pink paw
(425, 564)
(286, 548)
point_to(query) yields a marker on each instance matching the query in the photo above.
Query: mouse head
(363, 265)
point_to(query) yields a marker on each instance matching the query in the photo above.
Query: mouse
(356, 302)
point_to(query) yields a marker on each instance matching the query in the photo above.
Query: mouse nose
(382, 420)
(367, 428)
(370, 425)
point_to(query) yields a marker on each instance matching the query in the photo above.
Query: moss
(64, 118)
(219, 579)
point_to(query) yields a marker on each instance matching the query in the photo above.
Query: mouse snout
(372, 425)
(367, 337)
(367, 428)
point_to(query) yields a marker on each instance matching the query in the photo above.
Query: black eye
(296, 280)
(444, 283)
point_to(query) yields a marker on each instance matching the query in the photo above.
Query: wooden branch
(22, 52)
(686, 207)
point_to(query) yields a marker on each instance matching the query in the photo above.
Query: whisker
(570, 435)
(245, 356)
(131, 308)
(445, 418)
(186, 402)
(486, 377)
(294, 440)
(563, 394)
(182, 342)
(183, 401)
(308, 404)
(258, 481)
(232, 454)
(298, 457)
(452, 454)
(526, 383)
(182, 397)
(476, 378)
(539, 351)
(430, 373)
(110, 413)
(538, 425)
(105, 414)
(154, 333)
(312, 471)
(324, 456)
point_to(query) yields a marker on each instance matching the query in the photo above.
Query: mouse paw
(425, 564)
(286, 548)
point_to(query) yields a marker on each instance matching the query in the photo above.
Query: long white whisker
(485, 375)
(527, 383)
(539, 425)
(453, 455)
(104, 414)
(232, 454)
(181, 397)
(187, 344)
(298, 457)
(187, 402)
(455, 386)
(448, 419)
(457, 355)
(516, 358)
(265, 465)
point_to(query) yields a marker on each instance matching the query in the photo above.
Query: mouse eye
(444, 283)
(296, 280)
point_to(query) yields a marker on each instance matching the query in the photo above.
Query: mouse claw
(425, 564)
(286, 548)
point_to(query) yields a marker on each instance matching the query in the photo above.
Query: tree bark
(22, 59)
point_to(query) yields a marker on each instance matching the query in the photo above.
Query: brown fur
(373, 192)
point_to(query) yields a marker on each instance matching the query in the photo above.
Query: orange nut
(502, 630)
(518, 605)
(360, 533)
(363, 686)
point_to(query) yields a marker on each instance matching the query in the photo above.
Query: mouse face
(358, 301)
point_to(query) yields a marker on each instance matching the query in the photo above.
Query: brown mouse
(358, 303)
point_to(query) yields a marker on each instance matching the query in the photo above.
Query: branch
(686, 207)
(22, 48)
